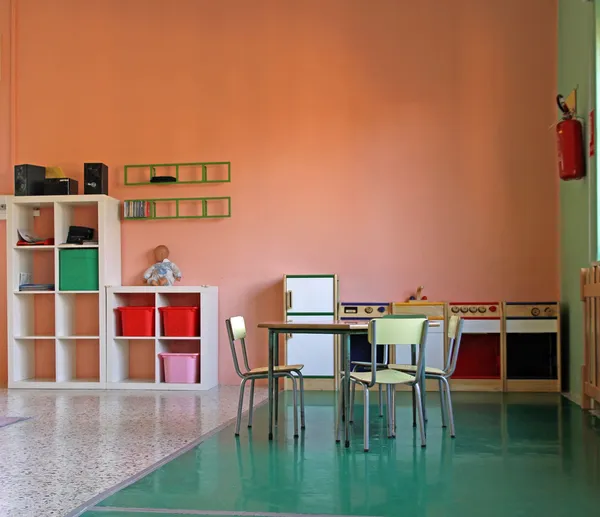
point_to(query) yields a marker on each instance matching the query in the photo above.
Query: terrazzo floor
(78, 444)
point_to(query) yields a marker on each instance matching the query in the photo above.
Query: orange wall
(395, 143)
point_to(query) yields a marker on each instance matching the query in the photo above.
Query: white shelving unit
(133, 361)
(56, 339)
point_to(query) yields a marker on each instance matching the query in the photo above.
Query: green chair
(236, 330)
(455, 327)
(404, 330)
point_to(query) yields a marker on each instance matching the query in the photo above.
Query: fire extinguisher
(571, 151)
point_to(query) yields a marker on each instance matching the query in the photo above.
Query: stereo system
(30, 180)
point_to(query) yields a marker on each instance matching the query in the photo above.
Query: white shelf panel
(35, 337)
(33, 292)
(132, 384)
(167, 386)
(78, 292)
(79, 384)
(76, 200)
(77, 246)
(40, 247)
(134, 338)
(173, 289)
(179, 338)
(78, 337)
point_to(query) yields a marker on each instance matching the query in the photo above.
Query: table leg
(276, 388)
(346, 348)
(272, 337)
(413, 360)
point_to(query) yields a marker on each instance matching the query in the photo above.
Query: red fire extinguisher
(571, 152)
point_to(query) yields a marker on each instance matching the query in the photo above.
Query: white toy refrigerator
(312, 298)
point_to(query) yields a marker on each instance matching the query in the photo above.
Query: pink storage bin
(181, 368)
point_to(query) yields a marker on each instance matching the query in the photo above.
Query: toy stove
(532, 346)
(360, 348)
(435, 351)
(480, 356)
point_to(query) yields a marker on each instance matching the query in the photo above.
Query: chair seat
(384, 377)
(412, 368)
(278, 369)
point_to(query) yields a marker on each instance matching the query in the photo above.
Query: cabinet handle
(432, 324)
(288, 300)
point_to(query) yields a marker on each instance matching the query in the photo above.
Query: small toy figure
(163, 272)
(418, 297)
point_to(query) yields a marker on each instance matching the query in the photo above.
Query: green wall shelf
(153, 166)
(177, 208)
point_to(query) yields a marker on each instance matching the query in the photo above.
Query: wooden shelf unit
(133, 362)
(50, 345)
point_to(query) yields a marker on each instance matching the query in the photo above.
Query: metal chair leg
(393, 412)
(388, 408)
(251, 407)
(240, 404)
(352, 397)
(295, 404)
(276, 399)
(366, 417)
(414, 407)
(442, 402)
(420, 414)
(302, 420)
(449, 407)
(338, 425)
(381, 400)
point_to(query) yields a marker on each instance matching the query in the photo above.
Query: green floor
(514, 455)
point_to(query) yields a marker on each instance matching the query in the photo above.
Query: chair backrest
(455, 328)
(409, 329)
(236, 330)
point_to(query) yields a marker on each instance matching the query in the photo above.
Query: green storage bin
(78, 270)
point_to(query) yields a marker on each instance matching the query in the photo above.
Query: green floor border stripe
(215, 513)
(88, 505)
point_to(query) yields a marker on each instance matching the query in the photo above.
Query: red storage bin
(180, 321)
(137, 321)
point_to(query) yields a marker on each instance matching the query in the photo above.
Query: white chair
(455, 327)
(403, 330)
(236, 330)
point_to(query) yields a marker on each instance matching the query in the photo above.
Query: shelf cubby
(177, 208)
(75, 214)
(70, 323)
(167, 299)
(133, 361)
(33, 360)
(36, 263)
(78, 361)
(34, 315)
(184, 173)
(72, 315)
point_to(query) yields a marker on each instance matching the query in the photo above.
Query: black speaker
(29, 180)
(60, 187)
(95, 178)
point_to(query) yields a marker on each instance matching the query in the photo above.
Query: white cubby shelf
(133, 361)
(57, 339)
